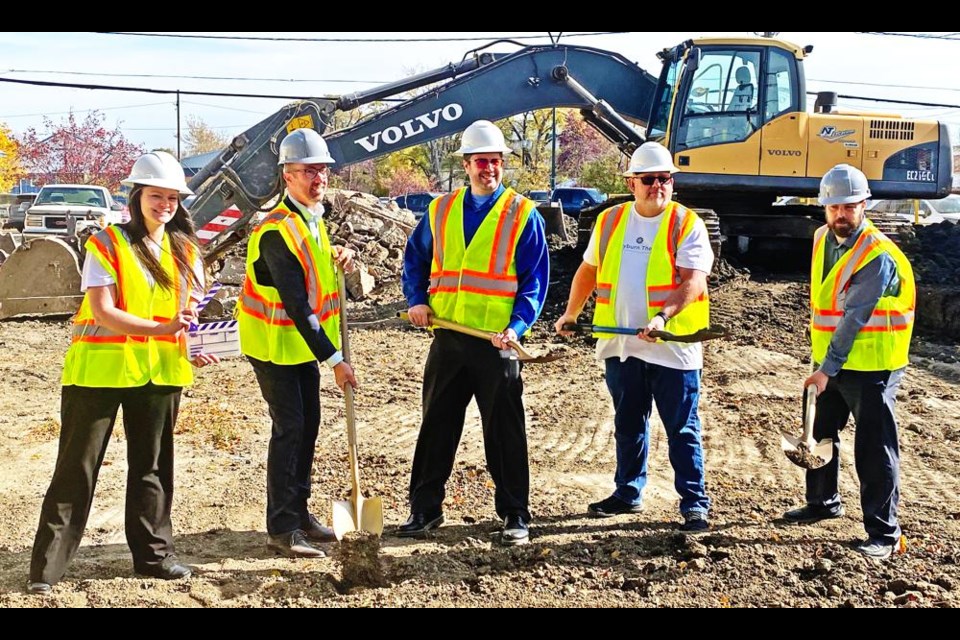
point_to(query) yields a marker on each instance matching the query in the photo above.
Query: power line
(357, 40)
(103, 87)
(160, 75)
(880, 84)
(922, 36)
(60, 113)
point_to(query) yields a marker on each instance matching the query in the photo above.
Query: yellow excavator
(731, 110)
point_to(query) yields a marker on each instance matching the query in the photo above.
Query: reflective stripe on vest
(476, 285)
(101, 357)
(883, 342)
(663, 276)
(266, 330)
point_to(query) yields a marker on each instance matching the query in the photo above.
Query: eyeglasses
(312, 172)
(649, 181)
(483, 163)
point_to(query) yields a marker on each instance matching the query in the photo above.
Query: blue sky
(858, 64)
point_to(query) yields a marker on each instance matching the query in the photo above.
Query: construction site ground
(751, 391)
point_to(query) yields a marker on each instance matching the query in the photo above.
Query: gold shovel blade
(371, 515)
(368, 516)
(803, 455)
(344, 518)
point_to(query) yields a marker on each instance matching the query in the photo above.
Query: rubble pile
(377, 232)
(934, 252)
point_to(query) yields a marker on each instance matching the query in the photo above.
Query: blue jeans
(870, 396)
(634, 386)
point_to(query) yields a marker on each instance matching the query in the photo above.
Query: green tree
(9, 159)
(201, 138)
(78, 152)
(604, 173)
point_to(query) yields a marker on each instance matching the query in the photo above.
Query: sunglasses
(312, 172)
(649, 181)
(483, 163)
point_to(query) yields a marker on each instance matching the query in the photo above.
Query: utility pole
(178, 125)
(553, 153)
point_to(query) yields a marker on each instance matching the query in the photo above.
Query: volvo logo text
(784, 152)
(410, 128)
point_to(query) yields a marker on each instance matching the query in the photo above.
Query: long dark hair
(182, 234)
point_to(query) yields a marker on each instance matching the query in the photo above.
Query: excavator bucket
(40, 277)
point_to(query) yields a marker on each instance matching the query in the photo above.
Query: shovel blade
(371, 516)
(804, 455)
(344, 518)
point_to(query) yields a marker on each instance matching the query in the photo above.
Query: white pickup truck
(64, 208)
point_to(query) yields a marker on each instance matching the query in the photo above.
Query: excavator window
(721, 105)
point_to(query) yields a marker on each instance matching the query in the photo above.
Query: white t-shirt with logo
(631, 304)
(94, 275)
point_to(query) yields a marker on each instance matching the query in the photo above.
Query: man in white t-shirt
(648, 261)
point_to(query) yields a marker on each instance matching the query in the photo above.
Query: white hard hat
(482, 137)
(158, 169)
(650, 157)
(306, 146)
(844, 184)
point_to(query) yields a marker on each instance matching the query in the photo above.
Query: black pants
(459, 368)
(87, 417)
(293, 394)
(870, 397)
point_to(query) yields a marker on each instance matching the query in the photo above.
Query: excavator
(732, 111)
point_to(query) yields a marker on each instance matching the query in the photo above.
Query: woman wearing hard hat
(142, 281)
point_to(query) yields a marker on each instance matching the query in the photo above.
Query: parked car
(575, 199)
(416, 202)
(539, 196)
(57, 204)
(13, 209)
(931, 211)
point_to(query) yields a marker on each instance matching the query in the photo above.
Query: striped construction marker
(227, 218)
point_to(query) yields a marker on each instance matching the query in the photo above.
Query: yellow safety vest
(883, 343)
(99, 357)
(663, 276)
(476, 285)
(266, 331)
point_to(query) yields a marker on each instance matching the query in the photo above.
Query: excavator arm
(612, 92)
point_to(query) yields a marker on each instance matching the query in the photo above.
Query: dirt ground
(749, 558)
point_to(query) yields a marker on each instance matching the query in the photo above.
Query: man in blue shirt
(485, 224)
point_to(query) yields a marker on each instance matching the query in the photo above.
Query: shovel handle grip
(583, 327)
(809, 411)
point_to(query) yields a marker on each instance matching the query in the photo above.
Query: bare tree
(201, 138)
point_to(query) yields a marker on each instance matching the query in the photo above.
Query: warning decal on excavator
(300, 122)
(226, 219)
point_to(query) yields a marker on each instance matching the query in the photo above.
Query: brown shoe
(316, 532)
(293, 545)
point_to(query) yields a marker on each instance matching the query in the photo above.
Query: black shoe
(418, 524)
(39, 588)
(316, 532)
(808, 514)
(294, 545)
(167, 569)
(694, 521)
(612, 506)
(515, 531)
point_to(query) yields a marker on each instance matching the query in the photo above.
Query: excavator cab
(733, 113)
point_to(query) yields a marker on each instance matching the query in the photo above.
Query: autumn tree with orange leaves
(75, 152)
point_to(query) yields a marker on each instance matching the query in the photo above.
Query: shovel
(707, 333)
(805, 451)
(357, 513)
(522, 354)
